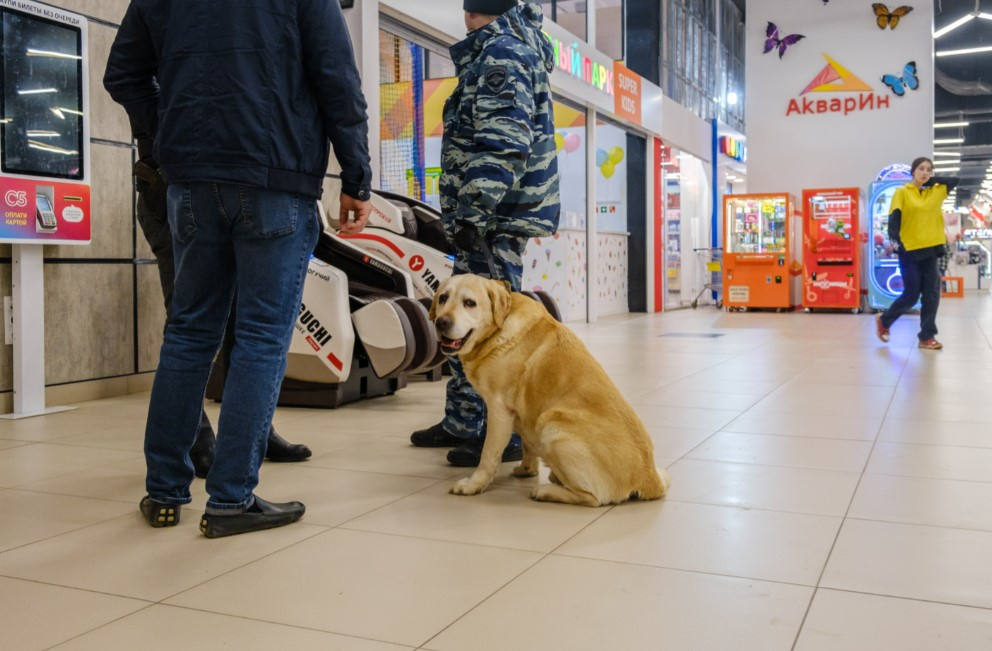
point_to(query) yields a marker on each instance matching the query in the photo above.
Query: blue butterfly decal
(907, 81)
(773, 41)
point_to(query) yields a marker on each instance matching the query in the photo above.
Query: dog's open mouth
(452, 346)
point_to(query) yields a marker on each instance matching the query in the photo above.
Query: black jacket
(244, 91)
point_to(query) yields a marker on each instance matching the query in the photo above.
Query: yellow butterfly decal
(886, 18)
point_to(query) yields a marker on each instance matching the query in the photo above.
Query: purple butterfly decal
(773, 41)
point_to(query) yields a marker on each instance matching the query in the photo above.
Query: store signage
(570, 58)
(627, 101)
(835, 78)
(44, 211)
(733, 148)
(978, 234)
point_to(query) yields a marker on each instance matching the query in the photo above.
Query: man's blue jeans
(227, 238)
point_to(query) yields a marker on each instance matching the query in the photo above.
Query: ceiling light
(957, 23)
(985, 16)
(951, 124)
(948, 141)
(946, 169)
(952, 154)
(969, 50)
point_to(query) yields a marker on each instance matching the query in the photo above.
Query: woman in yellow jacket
(916, 230)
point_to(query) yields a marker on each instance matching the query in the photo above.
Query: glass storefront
(414, 83)
(686, 227)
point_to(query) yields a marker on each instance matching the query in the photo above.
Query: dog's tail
(656, 486)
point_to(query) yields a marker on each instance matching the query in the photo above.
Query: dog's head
(467, 309)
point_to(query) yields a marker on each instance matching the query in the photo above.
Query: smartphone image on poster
(46, 214)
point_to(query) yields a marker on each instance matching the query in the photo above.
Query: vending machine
(831, 249)
(759, 255)
(884, 276)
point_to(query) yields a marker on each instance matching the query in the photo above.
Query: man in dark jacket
(153, 217)
(499, 181)
(242, 100)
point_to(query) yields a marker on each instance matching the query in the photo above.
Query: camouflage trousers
(465, 410)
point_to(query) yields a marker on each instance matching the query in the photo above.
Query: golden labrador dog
(539, 380)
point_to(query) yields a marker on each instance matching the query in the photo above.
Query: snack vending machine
(831, 249)
(758, 252)
(884, 276)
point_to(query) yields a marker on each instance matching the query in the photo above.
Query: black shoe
(467, 454)
(159, 514)
(281, 450)
(434, 436)
(260, 515)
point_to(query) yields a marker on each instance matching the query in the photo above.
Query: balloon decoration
(608, 169)
(572, 143)
(601, 157)
(616, 155)
(559, 142)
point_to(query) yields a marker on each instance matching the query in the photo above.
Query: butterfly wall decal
(908, 80)
(774, 41)
(885, 17)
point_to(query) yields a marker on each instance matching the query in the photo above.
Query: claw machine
(831, 275)
(759, 255)
(884, 276)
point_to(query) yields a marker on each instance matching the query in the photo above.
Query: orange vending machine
(831, 249)
(758, 252)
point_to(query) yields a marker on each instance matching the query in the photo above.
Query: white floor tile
(934, 461)
(712, 539)
(900, 560)
(847, 621)
(382, 587)
(586, 605)
(789, 451)
(193, 629)
(797, 490)
(914, 500)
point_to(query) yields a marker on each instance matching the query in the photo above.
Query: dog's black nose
(442, 323)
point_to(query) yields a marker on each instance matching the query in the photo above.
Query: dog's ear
(500, 298)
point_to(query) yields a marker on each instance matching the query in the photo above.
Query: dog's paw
(523, 471)
(466, 487)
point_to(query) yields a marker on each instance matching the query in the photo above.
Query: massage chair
(363, 323)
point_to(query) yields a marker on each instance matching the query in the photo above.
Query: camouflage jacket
(498, 158)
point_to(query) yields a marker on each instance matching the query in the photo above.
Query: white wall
(789, 153)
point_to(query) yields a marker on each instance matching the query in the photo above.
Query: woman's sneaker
(880, 330)
(931, 344)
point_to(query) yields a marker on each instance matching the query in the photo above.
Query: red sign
(45, 212)
(416, 263)
(627, 100)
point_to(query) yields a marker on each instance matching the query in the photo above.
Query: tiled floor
(828, 492)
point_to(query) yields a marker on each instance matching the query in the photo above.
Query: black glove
(466, 238)
(150, 185)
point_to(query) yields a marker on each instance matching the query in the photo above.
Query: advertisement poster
(45, 212)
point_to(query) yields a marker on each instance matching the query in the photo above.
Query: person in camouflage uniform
(499, 181)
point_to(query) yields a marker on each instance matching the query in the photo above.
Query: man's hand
(354, 214)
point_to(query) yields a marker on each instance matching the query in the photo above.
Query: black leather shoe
(468, 454)
(281, 450)
(434, 436)
(260, 515)
(159, 514)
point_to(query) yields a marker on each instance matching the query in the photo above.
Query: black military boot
(281, 450)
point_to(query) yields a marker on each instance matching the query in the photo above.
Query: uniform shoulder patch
(496, 78)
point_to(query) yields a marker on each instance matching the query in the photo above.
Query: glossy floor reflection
(829, 492)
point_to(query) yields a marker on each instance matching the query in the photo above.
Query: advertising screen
(41, 105)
